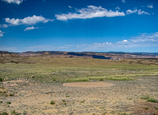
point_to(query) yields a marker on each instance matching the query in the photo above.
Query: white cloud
(117, 8)
(131, 11)
(14, 1)
(143, 40)
(70, 6)
(3, 26)
(1, 33)
(93, 47)
(123, 1)
(125, 41)
(139, 12)
(150, 6)
(142, 12)
(34, 19)
(102, 44)
(30, 28)
(146, 38)
(13, 21)
(28, 20)
(90, 12)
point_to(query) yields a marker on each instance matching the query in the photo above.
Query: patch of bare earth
(85, 98)
(88, 84)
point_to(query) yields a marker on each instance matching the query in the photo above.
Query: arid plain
(78, 86)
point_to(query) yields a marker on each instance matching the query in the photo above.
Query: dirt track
(118, 97)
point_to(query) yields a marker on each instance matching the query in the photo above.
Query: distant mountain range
(96, 55)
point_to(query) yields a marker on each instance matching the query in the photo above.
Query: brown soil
(87, 98)
(88, 84)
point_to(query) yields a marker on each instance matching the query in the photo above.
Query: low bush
(145, 97)
(1, 79)
(14, 113)
(3, 113)
(8, 102)
(52, 102)
(152, 100)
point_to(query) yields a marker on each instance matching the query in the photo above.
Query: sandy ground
(88, 84)
(86, 98)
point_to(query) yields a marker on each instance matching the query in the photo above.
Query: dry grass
(42, 81)
(75, 69)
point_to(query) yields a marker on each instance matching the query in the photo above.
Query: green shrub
(63, 100)
(11, 94)
(146, 108)
(124, 114)
(101, 79)
(3, 113)
(14, 113)
(8, 102)
(52, 102)
(83, 101)
(145, 97)
(1, 79)
(152, 100)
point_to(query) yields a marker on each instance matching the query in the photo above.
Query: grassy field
(75, 69)
(39, 86)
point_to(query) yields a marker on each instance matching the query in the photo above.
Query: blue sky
(79, 25)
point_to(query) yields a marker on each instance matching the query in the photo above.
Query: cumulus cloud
(123, 42)
(13, 21)
(28, 20)
(3, 26)
(150, 6)
(1, 33)
(131, 11)
(30, 28)
(34, 19)
(13, 1)
(140, 12)
(89, 12)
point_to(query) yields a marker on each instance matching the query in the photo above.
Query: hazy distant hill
(97, 55)
(8, 54)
